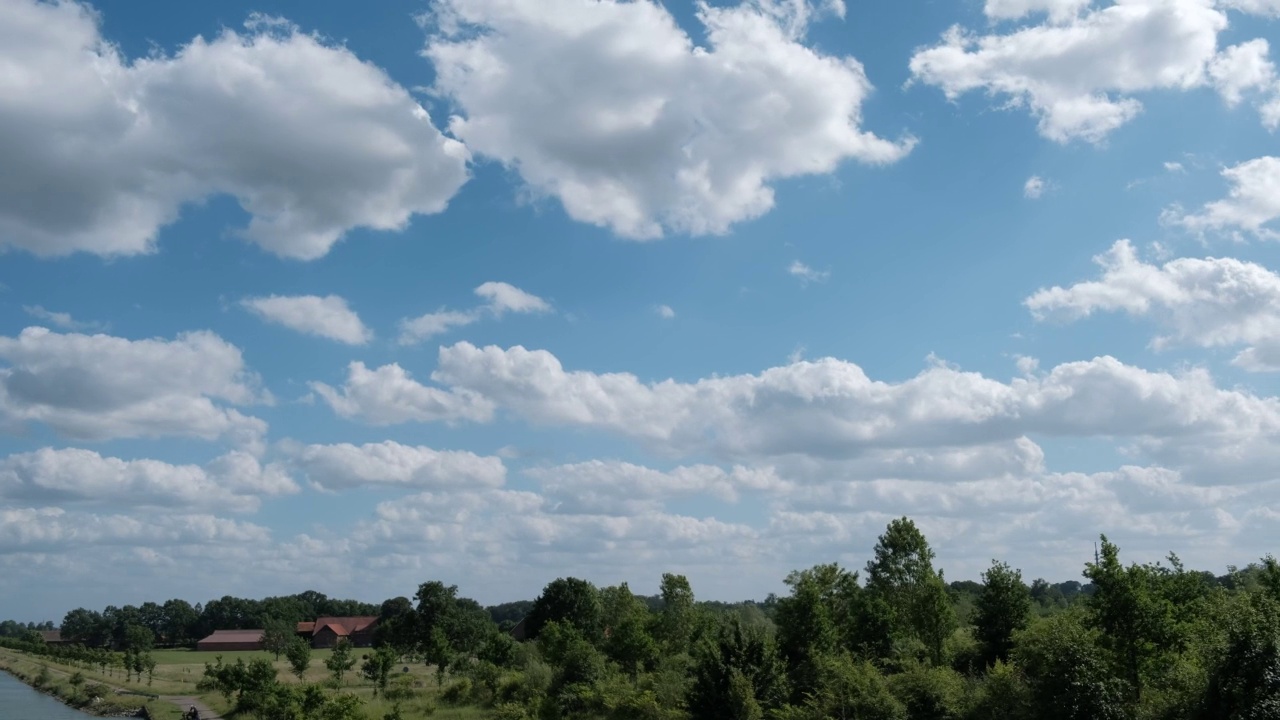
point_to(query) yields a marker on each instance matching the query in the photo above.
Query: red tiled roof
(306, 627)
(51, 636)
(229, 636)
(349, 624)
(335, 628)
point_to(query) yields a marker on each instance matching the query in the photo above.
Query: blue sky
(494, 292)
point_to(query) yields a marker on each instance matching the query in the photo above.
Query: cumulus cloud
(389, 395)
(327, 317)
(830, 408)
(1210, 302)
(1256, 7)
(622, 488)
(807, 274)
(99, 152)
(501, 298)
(1078, 72)
(98, 387)
(60, 320)
(1057, 10)
(1034, 187)
(343, 466)
(659, 135)
(665, 312)
(53, 528)
(1252, 203)
(236, 481)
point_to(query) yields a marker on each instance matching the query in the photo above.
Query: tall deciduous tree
(1002, 610)
(902, 575)
(299, 655)
(276, 635)
(568, 600)
(813, 621)
(341, 660)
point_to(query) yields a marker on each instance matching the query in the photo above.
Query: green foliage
(1003, 694)
(815, 619)
(1002, 609)
(1068, 672)
(901, 574)
(377, 667)
(747, 652)
(930, 693)
(1244, 680)
(568, 600)
(848, 688)
(341, 660)
(298, 653)
(277, 633)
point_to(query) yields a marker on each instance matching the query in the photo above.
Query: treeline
(13, 628)
(177, 622)
(1140, 641)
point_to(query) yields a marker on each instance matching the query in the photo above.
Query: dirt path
(184, 702)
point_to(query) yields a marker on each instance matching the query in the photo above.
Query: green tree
(626, 618)
(748, 651)
(676, 625)
(568, 600)
(138, 638)
(1067, 672)
(341, 660)
(813, 621)
(1002, 609)
(377, 667)
(902, 575)
(276, 635)
(1136, 620)
(1244, 677)
(849, 688)
(299, 656)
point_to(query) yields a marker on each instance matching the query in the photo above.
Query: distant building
(53, 637)
(520, 632)
(327, 631)
(228, 640)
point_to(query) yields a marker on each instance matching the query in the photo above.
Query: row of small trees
(133, 663)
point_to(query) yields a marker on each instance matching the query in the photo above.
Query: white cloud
(389, 395)
(1210, 302)
(1034, 187)
(501, 298)
(1175, 168)
(98, 387)
(660, 135)
(52, 528)
(328, 316)
(60, 320)
(236, 481)
(621, 488)
(504, 298)
(1257, 7)
(1242, 67)
(343, 466)
(830, 409)
(665, 312)
(98, 152)
(1057, 10)
(807, 274)
(1078, 74)
(1252, 203)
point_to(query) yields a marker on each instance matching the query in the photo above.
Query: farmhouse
(327, 631)
(53, 637)
(227, 640)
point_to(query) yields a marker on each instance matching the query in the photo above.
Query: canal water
(20, 702)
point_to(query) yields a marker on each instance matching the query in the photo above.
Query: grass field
(178, 671)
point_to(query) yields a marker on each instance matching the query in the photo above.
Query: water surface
(20, 702)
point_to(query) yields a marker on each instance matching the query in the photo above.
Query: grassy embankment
(178, 671)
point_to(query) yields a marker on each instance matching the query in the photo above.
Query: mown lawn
(178, 671)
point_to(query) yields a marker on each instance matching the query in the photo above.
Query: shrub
(458, 692)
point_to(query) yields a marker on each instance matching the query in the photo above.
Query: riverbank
(82, 691)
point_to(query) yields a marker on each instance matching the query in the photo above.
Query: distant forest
(893, 641)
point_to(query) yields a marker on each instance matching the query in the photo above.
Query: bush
(401, 689)
(510, 711)
(458, 692)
